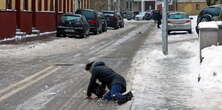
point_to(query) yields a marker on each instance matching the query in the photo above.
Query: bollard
(219, 23)
(208, 35)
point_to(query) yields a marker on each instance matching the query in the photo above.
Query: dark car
(112, 19)
(72, 24)
(129, 15)
(148, 15)
(93, 19)
(121, 20)
(104, 22)
(211, 13)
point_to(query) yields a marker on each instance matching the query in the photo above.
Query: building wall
(192, 8)
(44, 18)
(2, 4)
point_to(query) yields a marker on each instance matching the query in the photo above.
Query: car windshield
(215, 11)
(178, 16)
(70, 18)
(108, 13)
(88, 14)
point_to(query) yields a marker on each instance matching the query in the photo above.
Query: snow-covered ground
(171, 82)
(61, 45)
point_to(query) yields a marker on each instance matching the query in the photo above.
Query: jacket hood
(96, 64)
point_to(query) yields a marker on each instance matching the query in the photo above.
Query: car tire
(58, 34)
(190, 31)
(205, 18)
(168, 32)
(116, 27)
(83, 35)
(96, 32)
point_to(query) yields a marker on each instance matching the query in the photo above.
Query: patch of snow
(211, 24)
(52, 47)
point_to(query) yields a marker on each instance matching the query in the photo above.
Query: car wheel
(190, 31)
(83, 35)
(116, 27)
(168, 32)
(122, 26)
(96, 32)
(206, 18)
(58, 34)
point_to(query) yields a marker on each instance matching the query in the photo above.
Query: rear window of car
(178, 16)
(214, 11)
(88, 14)
(70, 18)
(108, 13)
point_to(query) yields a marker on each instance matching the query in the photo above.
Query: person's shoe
(127, 97)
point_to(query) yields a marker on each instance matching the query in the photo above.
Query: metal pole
(142, 5)
(164, 28)
(18, 10)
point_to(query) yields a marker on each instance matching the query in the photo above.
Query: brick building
(39, 14)
(192, 7)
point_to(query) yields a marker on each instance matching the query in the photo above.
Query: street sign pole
(142, 5)
(164, 28)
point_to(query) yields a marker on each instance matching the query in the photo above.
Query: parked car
(93, 18)
(140, 16)
(148, 15)
(121, 20)
(211, 13)
(112, 19)
(129, 15)
(72, 24)
(135, 13)
(179, 21)
(104, 22)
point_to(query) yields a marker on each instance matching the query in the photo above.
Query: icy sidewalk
(170, 82)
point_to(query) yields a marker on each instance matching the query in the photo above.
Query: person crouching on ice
(108, 78)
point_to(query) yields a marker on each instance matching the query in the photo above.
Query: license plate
(69, 30)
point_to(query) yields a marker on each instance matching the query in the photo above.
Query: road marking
(25, 80)
(24, 86)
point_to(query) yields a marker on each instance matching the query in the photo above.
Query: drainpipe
(33, 13)
(56, 13)
(34, 30)
(18, 24)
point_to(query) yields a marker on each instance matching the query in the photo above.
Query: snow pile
(211, 67)
(137, 21)
(211, 24)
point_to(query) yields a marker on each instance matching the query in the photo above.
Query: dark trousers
(158, 23)
(115, 93)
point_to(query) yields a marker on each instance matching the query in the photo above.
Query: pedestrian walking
(157, 17)
(108, 78)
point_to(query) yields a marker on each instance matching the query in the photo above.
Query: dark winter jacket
(106, 76)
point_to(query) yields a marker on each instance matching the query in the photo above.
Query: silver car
(179, 21)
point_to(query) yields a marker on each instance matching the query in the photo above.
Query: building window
(26, 4)
(197, 6)
(8, 4)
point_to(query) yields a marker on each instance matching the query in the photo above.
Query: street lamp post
(164, 28)
(142, 5)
